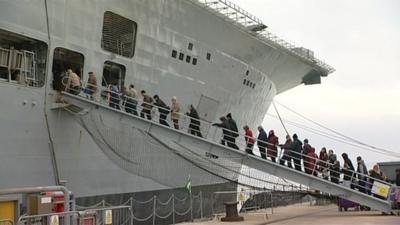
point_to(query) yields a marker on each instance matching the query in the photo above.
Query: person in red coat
(249, 139)
(272, 149)
(310, 162)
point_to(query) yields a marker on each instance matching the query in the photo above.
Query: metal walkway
(186, 142)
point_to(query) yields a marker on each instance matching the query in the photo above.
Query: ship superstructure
(219, 61)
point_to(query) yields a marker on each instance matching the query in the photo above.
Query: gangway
(185, 143)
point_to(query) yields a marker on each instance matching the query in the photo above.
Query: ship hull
(43, 144)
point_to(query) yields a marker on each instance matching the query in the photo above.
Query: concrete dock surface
(308, 215)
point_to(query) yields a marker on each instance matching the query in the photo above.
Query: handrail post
(173, 209)
(201, 205)
(191, 207)
(154, 209)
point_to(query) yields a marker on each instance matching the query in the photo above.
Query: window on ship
(113, 73)
(22, 59)
(64, 59)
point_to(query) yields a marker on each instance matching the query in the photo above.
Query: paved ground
(309, 215)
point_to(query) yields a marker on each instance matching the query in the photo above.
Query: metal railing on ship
(316, 167)
(249, 23)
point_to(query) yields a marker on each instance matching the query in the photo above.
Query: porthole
(208, 57)
(174, 53)
(181, 56)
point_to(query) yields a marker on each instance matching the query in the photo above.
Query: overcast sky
(361, 40)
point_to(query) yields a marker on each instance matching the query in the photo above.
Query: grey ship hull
(43, 145)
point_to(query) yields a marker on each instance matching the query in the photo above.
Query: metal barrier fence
(178, 207)
(121, 215)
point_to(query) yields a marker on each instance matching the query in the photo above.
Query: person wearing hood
(334, 168)
(296, 152)
(362, 172)
(348, 171)
(262, 141)
(194, 126)
(272, 149)
(310, 162)
(323, 163)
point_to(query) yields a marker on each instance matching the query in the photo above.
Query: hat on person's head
(155, 96)
(229, 115)
(358, 158)
(174, 98)
(294, 136)
(306, 140)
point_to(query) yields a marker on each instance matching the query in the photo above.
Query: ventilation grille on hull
(118, 34)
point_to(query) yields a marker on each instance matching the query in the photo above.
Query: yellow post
(8, 210)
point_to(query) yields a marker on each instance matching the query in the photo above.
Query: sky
(361, 99)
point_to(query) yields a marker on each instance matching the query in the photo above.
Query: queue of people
(294, 153)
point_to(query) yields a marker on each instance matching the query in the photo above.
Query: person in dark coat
(306, 149)
(287, 152)
(375, 175)
(262, 141)
(194, 126)
(272, 149)
(362, 172)
(334, 168)
(323, 163)
(348, 170)
(163, 109)
(234, 131)
(226, 133)
(296, 152)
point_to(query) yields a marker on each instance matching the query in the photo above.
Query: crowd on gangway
(295, 154)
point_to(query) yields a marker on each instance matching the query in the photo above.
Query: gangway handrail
(353, 177)
(318, 161)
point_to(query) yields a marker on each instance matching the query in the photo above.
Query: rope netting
(138, 152)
